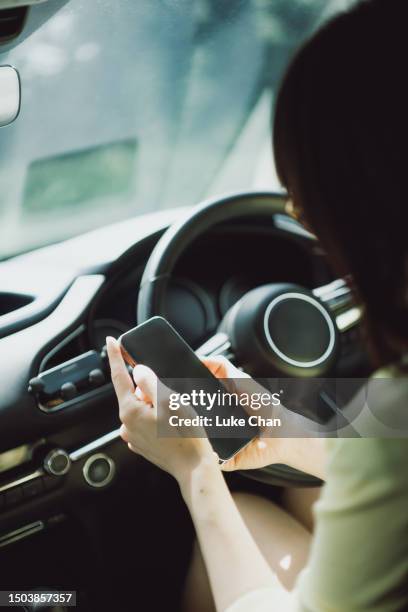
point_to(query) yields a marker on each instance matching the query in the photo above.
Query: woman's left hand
(138, 411)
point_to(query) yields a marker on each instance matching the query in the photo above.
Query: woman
(340, 138)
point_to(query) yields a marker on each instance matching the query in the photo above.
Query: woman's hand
(297, 450)
(138, 411)
(261, 451)
(179, 456)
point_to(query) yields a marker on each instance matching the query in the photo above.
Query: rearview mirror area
(9, 95)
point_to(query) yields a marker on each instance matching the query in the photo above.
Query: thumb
(221, 367)
(249, 458)
(146, 381)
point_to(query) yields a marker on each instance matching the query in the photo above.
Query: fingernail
(110, 339)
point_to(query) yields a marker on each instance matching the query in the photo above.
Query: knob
(36, 385)
(68, 391)
(96, 377)
(57, 462)
(98, 470)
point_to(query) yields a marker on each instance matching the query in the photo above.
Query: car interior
(137, 180)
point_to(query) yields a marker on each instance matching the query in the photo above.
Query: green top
(359, 553)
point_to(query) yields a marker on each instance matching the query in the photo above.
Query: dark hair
(341, 149)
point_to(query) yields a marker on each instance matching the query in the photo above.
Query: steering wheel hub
(282, 329)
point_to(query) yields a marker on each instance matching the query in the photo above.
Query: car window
(130, 107)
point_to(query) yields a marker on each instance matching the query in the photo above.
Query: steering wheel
(279, 329)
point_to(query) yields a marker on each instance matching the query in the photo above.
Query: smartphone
(156, 344)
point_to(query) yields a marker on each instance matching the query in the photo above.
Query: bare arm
(235, 564)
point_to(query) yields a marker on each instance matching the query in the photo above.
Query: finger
(132, 411)
(132, 448)
(230, 465)
(215, 365)
(222, 368)
(124, 434)
(140, 395)
(146, 380)
(190, 431)
(120, 376)
(247, 456)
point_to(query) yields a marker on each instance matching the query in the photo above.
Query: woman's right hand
(261, 451)
(303, 453)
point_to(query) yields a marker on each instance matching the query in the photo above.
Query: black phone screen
(157, 345)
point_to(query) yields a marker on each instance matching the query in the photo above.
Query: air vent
(11, 23)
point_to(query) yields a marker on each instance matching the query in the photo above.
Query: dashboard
(58, 414)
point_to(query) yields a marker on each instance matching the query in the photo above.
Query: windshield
(133, 106)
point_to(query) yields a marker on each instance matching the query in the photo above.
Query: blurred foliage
(99, 171)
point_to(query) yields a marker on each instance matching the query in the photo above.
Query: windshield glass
(133, 106)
